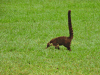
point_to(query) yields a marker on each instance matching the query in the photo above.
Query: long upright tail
(70, 24)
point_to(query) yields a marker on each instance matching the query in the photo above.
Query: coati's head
(49, 44)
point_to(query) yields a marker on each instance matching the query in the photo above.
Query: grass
(27, 25)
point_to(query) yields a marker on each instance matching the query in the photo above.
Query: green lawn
(26, 26)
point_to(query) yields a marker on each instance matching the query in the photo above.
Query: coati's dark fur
(63, 40)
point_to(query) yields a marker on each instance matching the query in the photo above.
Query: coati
(63, 40)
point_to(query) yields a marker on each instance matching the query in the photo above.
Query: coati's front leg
(57, 47)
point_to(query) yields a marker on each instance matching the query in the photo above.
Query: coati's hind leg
(68, 46)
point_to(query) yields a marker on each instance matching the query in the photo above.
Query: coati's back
(60, 40)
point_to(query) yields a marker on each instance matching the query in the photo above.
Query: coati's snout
(48, 45)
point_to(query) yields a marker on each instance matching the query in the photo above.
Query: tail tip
(69, 11)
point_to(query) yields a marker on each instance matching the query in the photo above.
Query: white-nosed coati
(63, 40)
